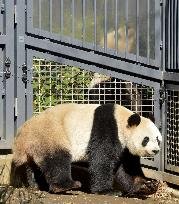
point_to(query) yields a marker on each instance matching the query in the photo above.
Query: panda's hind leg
(18, 175)
(56, 167)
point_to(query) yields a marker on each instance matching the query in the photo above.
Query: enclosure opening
(172, 153)
(55, 83)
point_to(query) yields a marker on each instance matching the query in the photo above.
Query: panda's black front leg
(101, 175)
(126, 182)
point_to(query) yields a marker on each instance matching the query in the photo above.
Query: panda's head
(144, 137)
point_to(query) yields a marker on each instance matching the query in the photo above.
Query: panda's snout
(155, 151)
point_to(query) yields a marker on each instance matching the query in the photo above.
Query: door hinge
(161, 2)
(15, 107)
(15, 14)
(24, 73)
(7, 71)
(163, 94)
(161, 45)
(2, 7)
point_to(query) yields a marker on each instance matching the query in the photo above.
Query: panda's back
(65, 126)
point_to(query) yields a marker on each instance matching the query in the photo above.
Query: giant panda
(99, 134)
(121, 44)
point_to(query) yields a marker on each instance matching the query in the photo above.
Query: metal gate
(95, 36)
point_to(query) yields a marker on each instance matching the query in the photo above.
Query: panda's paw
(149, 187)
(56, 188)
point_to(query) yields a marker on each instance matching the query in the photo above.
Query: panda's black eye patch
(158, 141)
(145, 141)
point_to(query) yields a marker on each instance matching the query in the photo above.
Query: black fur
(145, 141)
(150, 116)
(18, 175)
(129, 169)
(134, 119)
(53, 173)
(104, 149)
(57, 170)
(37, 178)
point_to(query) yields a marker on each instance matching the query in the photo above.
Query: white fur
(78, 124)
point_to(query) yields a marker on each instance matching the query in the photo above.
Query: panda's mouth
(148, 154)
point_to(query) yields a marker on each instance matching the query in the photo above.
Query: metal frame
(83, 55)
(20, 42)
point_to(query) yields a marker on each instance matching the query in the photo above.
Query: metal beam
(93, 58)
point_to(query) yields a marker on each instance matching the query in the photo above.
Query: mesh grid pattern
(173, 128)
(54, 83)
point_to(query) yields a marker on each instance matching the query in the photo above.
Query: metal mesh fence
(173, 128)
(54, 83)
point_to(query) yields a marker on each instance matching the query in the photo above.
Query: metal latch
(161, 45)
(7, 64)
(24, 74)
(162, 94)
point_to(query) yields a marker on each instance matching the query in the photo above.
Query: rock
(5, 168)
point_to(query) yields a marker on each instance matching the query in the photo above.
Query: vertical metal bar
(164, 134)
(62, 17)
(157, 115)
(169, 37)
(50, 81)
(20, 60)
(157, 33)
(116, 27)
(126, 50)
(163, 36)
(95, 26)
(29, 92)
(166, 25)
(1, 94)
(51, 16)
(73, 18)
(84, 20)
(105, 25)
(1, 20)
(40, 14)
(171, 33)
(175, 35)
(148, 31)
(9, 83)
(137, 32)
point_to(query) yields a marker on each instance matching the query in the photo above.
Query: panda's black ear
(134, 119)
(151, 117)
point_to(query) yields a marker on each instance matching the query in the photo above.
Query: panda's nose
(155, 151)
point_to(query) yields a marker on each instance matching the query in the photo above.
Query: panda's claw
(110, 193)
(77, 184)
